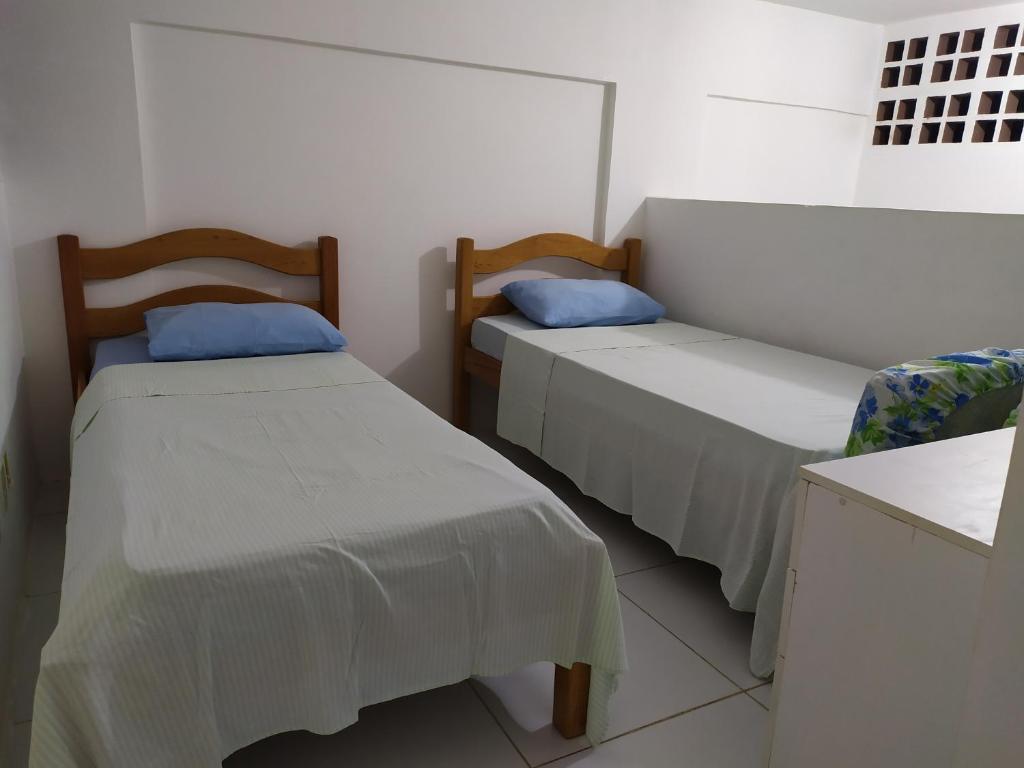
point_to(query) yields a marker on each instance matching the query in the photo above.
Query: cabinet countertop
(951, 488)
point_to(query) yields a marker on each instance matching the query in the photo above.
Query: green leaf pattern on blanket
(906, 404)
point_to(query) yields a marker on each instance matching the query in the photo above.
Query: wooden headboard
(470, 262)
(79, 264)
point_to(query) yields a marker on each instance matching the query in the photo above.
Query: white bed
(697, 435)
(269, 544)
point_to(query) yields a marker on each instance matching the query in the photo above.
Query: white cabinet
(884, 588)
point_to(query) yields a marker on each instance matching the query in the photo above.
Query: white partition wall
(865, 286)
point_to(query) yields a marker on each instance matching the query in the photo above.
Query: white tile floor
(688, 700)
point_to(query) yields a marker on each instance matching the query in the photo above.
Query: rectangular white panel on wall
(395, 156)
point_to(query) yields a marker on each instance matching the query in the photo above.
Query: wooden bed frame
(79, 264)
(471, 262)
(84, 325)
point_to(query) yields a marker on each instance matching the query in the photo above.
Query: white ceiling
(885, 11)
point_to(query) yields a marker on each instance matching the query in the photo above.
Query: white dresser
(883, 592)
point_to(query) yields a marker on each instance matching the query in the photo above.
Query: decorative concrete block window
(948, 44)
(984, 131)
(934, 106)
(973, 40)
(959, 104)
(1006, 36)
(967, 69)
(1011, 130)
(990, 103)
(930, 133)
(953, 132)
(917, 48)
(965, 63)
(942, 71)
(999, 65)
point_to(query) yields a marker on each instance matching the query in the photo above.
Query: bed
(260, 545)
(696, 434)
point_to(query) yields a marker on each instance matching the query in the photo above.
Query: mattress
(120, 351)
(270, 544)
(695, 434)
(489, 333)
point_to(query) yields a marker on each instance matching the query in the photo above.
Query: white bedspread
(264, 545)
(697, 435)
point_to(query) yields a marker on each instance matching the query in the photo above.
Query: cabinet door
(879, 641)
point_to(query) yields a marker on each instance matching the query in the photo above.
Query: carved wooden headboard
(85, 324)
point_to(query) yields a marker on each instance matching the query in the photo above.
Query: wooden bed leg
(572, 691)
(460, 404)
(463, 330)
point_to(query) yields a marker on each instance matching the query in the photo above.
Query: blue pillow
(559, 303)
(208, 331)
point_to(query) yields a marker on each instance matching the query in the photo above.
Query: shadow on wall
(426, 374)
(49, 394)
(15, 524)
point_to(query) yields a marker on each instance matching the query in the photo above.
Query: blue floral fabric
(905, 404)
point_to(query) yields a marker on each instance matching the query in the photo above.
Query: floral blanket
(905, 404)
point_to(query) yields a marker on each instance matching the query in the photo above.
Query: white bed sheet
(264, 545)
(488, 334)
(697, 435)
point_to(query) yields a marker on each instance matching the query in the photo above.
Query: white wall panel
(396, 157)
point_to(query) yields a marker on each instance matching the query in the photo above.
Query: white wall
(10, 322)
(14, 505)
(785, 109)
(947, 177)
(864, 286)
(110, 117)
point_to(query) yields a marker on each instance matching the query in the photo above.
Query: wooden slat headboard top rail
(85, 324)
(550, 244)
(125, 260)
(107, 322)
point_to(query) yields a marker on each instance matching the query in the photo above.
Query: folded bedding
(270, 544)
(697, 435)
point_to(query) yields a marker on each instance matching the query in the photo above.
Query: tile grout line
(639, 728)
(647, 568)
(756, 701)
(740, 688)
(497, 722)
